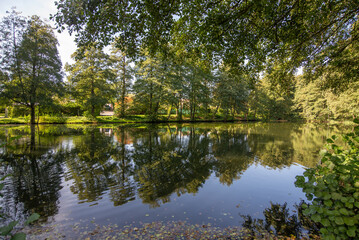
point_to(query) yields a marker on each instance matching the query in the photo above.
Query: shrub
(72, 109)
(333, 188)
(18, 111)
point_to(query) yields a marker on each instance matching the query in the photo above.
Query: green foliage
(122, 84)
(29, 61)
(267, 102)
(232, 93)
(71, 109)
(333, 188)
(149, 86)
(315, 100)
(187, 41)
(310, 101)
(8, 229)
(90, 79)
(18, 110)
(238, 32)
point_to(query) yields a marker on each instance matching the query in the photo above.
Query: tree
(258, 32)
(91, 79)
(198, 80)
(30, 62)
(149, 87)
(120, 65)
(231, 92)
(310, 100)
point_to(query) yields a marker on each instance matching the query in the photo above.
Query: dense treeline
(166, 66)
(193, 88)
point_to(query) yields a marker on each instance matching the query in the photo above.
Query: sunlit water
(199, 173)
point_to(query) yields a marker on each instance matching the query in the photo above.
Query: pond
(212, 174)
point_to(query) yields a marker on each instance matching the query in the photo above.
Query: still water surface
(198, 173)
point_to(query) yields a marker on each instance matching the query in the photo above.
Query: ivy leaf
(339, 221)
(344, 211)
(349, 221)
(336, 196)
(351, 232)
(316, 218)
(325, 222)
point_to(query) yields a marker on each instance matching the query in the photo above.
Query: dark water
(199, 173)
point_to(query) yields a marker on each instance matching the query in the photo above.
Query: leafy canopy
(250, 33)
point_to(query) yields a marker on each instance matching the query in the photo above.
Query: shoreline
(19, 121)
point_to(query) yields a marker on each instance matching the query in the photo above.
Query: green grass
(19, 120)
(99, 119)
(75, 120)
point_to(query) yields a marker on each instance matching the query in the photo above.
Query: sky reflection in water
(200, 173)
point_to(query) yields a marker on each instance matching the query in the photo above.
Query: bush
(18, 111)
(333, 188)
(71, 109)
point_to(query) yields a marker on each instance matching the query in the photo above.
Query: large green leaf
(19, 236)
(6, 230)
(32, 218)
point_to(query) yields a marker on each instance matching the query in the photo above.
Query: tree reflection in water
(150, 163)
(279, 222)
(35, 176)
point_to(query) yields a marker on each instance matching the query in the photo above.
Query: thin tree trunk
(93, 110)
(215, 112)
(123, 107)
(92, 97)
(180, 108)
(169, 113)
(38, 115)
(151, 98)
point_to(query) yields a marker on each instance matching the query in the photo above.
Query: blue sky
(42, 8)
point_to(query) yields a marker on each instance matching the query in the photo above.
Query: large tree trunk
(32, 113)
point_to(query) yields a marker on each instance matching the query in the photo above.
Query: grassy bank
(106, 119)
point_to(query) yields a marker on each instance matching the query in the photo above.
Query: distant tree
(310, 100)
(269, 102)
(198, 78)
(122, 69)
(231, 92)
(149, 87)
(91, 79)
(30, 63)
